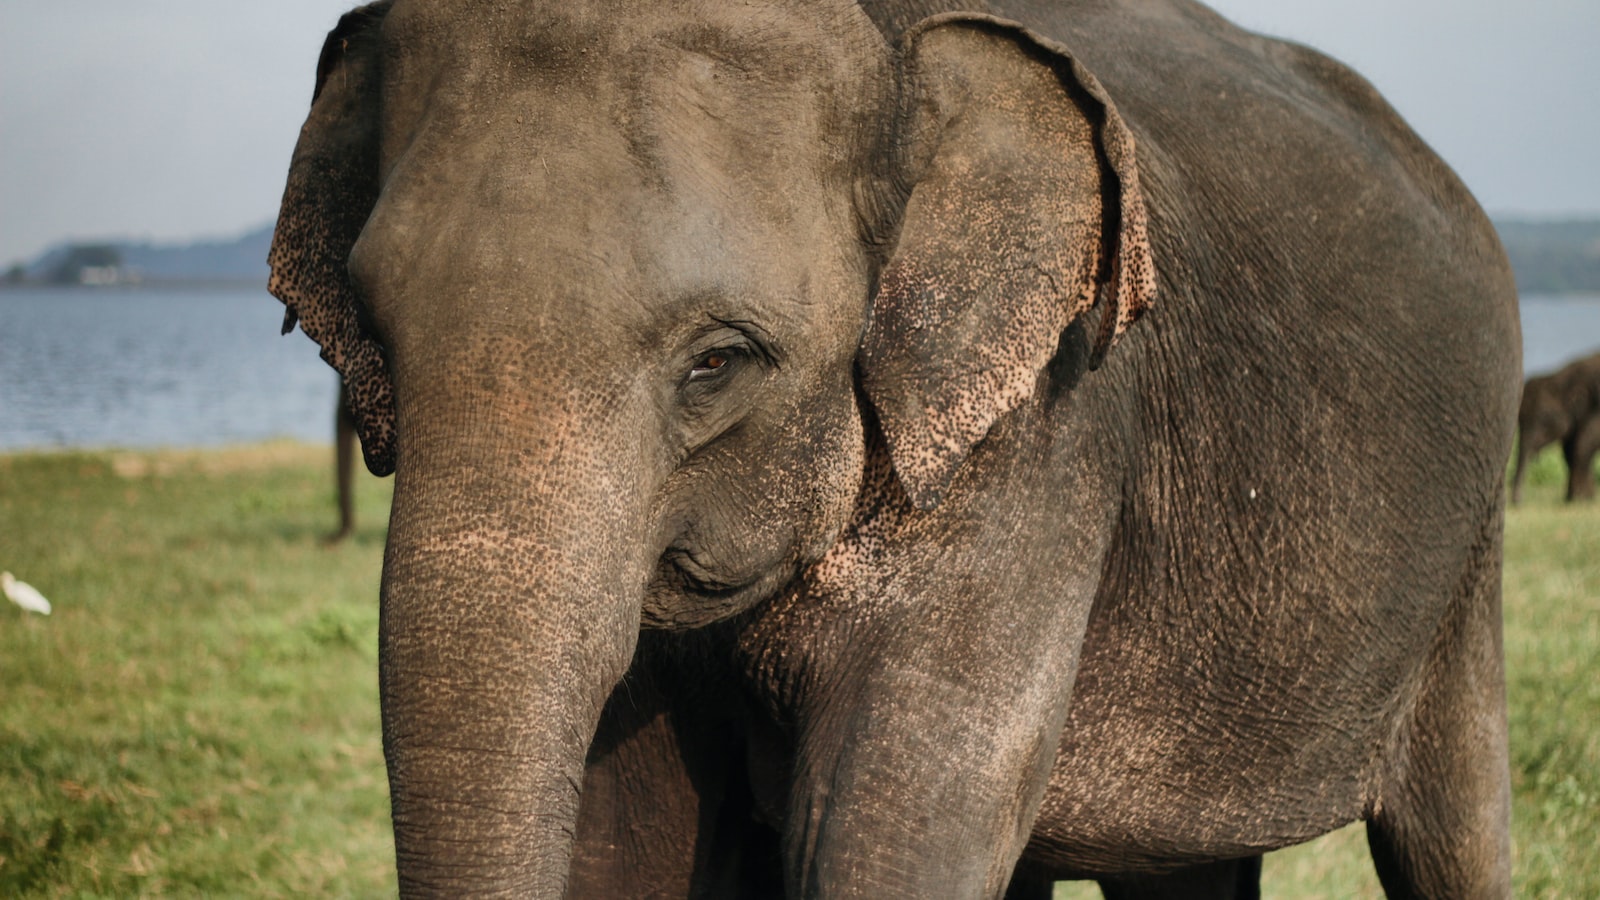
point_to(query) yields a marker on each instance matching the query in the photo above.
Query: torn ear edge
(331, 189)
(1129, 290)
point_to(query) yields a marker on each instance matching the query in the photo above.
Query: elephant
(344, 465)
(1561, 406)
(909, 448)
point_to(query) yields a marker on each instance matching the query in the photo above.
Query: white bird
(23, 594)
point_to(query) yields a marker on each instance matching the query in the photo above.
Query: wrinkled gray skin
(1562, 406)
(762, 353)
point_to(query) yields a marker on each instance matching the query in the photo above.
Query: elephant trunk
(509, 612)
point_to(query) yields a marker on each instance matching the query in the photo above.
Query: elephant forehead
(699, 160)
(574, 215)
(574, 39)
(759, 82)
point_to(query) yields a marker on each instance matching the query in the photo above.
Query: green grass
(199, 716)
(1552, 600)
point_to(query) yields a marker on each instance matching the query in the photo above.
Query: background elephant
(789, 495)
(344, 465)
(1562, 406)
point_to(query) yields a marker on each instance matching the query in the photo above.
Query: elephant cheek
(832, 496)
(745, 522)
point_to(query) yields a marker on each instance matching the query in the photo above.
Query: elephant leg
(929, 695)
(925, 778)
(1230, 879)
(1579, 450)
(666, 807)
(1440, 826)
(1524, 453)
(896, 815)
(1028, 883)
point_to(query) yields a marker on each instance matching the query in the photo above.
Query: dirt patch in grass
(220, 461)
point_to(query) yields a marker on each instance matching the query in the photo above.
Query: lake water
(156, 367)
(198, 367)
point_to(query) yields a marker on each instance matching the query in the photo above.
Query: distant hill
(1548, 257)
(1553, 257)
(242, 259)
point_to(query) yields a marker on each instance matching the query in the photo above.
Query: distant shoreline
(237, 454)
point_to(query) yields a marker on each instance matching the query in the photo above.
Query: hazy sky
(173, 120)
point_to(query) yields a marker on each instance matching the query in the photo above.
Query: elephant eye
(711, 364)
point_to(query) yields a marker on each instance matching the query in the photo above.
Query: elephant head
(621, 292)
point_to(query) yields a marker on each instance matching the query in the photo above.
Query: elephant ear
(332, 187)
(1024, 213)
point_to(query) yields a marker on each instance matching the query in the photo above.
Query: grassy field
(199, 716)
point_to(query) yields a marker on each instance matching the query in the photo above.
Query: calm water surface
(156, 367)
(1557, 330)
(164, 367)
